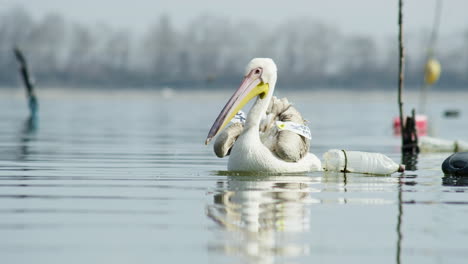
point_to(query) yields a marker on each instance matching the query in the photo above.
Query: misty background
(211, 49)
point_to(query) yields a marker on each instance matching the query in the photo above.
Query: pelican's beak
(250, 87)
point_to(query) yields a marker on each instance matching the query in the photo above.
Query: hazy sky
(375, 17)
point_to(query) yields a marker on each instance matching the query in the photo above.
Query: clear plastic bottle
(360, 162)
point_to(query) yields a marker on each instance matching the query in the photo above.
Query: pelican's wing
(225, 140)
(287, 145)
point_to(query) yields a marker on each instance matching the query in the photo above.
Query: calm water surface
(124, 177)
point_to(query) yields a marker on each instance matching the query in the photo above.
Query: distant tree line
(212, 52)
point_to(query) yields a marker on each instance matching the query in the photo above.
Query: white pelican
(249, 153)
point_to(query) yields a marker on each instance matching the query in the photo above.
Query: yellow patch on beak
(261, 90)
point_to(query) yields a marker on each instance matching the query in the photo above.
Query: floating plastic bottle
(360, 162)
(431, 144)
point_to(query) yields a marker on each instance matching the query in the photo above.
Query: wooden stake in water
(28, 83)
(409, 136)
(401, 73)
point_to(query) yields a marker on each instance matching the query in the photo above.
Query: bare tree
(161, 48)
(213, 50)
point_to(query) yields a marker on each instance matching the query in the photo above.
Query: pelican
(249, 152)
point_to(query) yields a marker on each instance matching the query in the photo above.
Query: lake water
(125, 177)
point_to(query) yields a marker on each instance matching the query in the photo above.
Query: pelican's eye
(257, 71)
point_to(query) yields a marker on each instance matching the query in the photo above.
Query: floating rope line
(432, 67)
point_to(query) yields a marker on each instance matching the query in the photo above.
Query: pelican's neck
(258, 110)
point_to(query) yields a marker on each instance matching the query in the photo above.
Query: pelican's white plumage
(248, 152)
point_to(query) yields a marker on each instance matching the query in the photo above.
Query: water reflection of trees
(262, 215)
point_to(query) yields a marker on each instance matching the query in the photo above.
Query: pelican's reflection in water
(261, 215)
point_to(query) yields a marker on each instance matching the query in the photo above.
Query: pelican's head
(259, 79)
(266, 67)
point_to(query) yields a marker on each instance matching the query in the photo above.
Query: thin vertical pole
(28, 83)
(424, 90)
(401, 69)
(401, 76)
(435, 28)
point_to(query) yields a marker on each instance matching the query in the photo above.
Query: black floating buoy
(451, 113)
(456, 164)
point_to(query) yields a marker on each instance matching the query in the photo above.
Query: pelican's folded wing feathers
(225, 140)
(287, 145)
